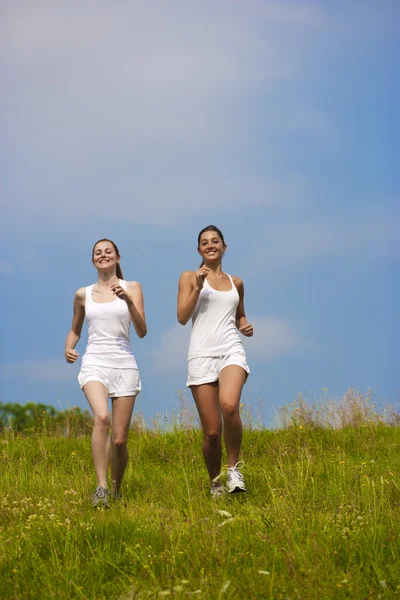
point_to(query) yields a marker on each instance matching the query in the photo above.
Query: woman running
(217, 366)
(109, 369)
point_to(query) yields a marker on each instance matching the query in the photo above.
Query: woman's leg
(97, 395)
(122, 409)
(206, 399)
(231, 381)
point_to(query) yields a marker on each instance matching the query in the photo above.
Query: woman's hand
(201, 275)
(121, 293)
(71, 355)
(246, 330)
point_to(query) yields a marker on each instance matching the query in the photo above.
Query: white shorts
(206, 369)
(119, 382)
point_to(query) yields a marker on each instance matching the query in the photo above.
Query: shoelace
(100, 493)
(234, 472)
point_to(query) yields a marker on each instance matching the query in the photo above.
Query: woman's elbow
(182, 319)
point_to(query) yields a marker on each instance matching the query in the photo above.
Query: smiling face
(211, 247)
(105, 256)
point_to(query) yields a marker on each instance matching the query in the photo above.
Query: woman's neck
(107, 279)
(216, 269)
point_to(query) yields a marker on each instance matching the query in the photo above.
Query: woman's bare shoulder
(80, 297)
(133, 285)
(237, 281)
(80, 294)
(187, 275)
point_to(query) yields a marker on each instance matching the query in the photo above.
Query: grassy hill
(321, 518)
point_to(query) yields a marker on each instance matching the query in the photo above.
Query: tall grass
(321, 518)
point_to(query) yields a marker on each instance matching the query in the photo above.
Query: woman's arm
(135, 303)
(241, 322)
(190, 286)
(74, 334)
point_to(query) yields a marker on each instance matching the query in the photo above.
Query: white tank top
(214, 331)
(108, 328)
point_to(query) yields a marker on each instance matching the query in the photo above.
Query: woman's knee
(102, 420)
(230, 412)
(213, 436)
(120, 441)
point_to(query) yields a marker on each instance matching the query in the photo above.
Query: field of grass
(321, 518)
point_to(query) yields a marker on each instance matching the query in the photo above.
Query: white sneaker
(235, 480)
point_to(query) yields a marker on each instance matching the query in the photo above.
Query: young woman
(217, 363)
(109, 368)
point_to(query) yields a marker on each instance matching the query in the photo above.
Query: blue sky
(144, 122)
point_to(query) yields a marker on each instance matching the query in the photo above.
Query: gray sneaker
(217, 489)
(101, 497)
(235, 480)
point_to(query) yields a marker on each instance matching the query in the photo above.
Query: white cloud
(132, 73)
(45, 370)
(273, 337)
(171, 355)
(141, 110)
(286, 245)
(156, 112)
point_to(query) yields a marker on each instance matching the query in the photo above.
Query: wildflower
(325, 389)
(225, 522)
(225, 587)
(224, 513)
(300, 426)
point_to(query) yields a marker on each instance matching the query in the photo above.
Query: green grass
(321, 518)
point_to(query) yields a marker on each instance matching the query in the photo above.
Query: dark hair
(118, 270)
(209, 228)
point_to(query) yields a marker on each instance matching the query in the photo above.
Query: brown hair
(118, 270)
(209, 228)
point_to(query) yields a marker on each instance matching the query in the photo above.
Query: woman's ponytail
(118, 272)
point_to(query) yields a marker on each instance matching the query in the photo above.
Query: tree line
(32, 417)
